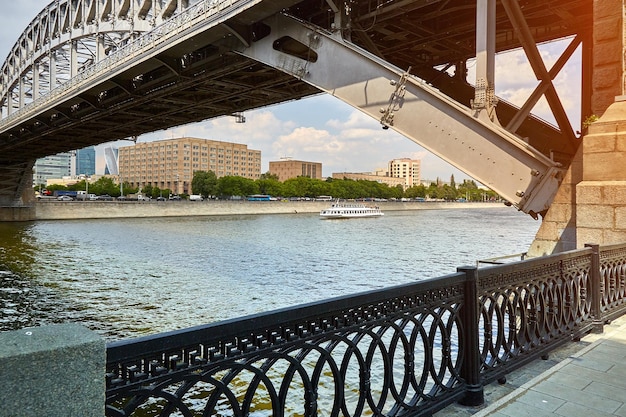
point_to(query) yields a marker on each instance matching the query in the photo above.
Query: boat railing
(411, 349)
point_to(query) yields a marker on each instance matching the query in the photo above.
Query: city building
(291, 168)
(171, 163)
(86, 161)
(111, 161)
(408, 169)
(54, 166)
(383, 179)
(72, 180)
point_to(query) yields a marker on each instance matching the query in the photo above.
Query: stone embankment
(63, 210)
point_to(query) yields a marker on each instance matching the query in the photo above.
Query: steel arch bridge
(85, 72)
(68, 36)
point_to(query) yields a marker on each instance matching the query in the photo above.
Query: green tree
(416, 191)
(104, 185)
(127, 188)
(204, 183)
(232, 185)
(449, 193)
(270, 186)
(147, 190)
(349, 189)
(75, 187)
(268, 176)
(434, 191)
(298, 187)
(396, 192)
(469, 190)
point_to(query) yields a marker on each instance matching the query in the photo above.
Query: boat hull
(339, 216)
(350, 211)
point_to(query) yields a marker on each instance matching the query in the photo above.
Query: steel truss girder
(485, 151)
(63, 25)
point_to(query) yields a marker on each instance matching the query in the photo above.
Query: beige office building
(408, 169)
(171, 163)
(382, 179)
(291, 168)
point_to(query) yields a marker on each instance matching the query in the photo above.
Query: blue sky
(324, 129)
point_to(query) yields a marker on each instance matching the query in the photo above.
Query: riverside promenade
(585, 378)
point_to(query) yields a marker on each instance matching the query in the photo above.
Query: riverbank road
(586, 379)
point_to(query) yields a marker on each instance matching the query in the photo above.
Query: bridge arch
(69, 35)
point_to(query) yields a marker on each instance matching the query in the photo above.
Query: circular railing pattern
(613, 280)
(391, 364)
(522, 312)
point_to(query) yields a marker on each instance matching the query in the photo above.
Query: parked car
(65, 198)
(105, 197)
(175, 197)
(160, 199)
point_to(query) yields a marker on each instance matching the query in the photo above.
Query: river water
(129, 277)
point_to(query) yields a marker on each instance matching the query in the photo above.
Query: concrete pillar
(53, 371)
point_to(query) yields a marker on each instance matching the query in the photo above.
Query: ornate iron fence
(406, 350)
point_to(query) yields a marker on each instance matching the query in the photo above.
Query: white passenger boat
(349, 210)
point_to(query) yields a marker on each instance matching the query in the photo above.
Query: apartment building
(171, 163)
(408, 169)
(291, 168)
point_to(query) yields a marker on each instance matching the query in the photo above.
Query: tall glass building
(86, 161)
(55, 166)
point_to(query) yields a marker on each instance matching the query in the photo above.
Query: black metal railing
(406, 350)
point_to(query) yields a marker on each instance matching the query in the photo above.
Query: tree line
(207, 184)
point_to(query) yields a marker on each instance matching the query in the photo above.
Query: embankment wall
(64, 210)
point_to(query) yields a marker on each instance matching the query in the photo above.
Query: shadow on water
(23, 300)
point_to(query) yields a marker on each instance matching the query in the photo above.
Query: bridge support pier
(590, 205)
(601, 195)
(17, 213)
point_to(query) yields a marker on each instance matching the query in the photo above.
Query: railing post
(596, 289)
(470, 370)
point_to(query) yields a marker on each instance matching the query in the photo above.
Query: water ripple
(130, 277)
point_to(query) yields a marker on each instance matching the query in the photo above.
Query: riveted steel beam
(484, 150)
(484, 102)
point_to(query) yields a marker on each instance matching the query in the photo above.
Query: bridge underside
(219, 71)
